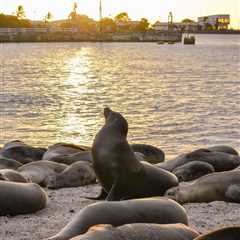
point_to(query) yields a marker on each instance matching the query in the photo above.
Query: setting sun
(151, 9)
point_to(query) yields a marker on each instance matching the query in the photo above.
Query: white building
(216, 22)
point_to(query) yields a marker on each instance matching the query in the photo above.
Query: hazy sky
(151, 9)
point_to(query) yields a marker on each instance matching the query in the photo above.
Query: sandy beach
(65, 203)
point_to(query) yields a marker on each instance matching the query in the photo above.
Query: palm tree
(20, 12)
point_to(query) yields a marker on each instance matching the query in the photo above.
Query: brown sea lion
(12, 176)
(39, 171)
(148, 210)
(60, 149)
(139, 231)
(219, 160)
(22, 152)
(152, 154)
(78, 174)
(9, 163)
(21, 198)
(72, 158)
(224, 148)
(221, 186)
(192, 170)
(118, 170)
(226, 233)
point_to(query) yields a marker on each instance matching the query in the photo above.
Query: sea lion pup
(38, 172)
(22, 152)
(219, 160)
(9, 163)
(148, 210)
(72, 158)
(118, 170)
(59, 149)
(226, 233)
(12, 176)
(225, 149)
(78, 174)
(139, 231)
(192, 170)
(21, 198)
(152, 154)
(222, 186)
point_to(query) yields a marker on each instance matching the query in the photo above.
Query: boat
(189, 40)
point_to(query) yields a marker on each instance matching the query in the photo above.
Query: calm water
(173, 96)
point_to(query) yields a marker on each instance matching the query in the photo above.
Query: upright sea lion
(224, 148)
(149, 210)
(139, 231)
(152, 154)
(219, 160)
(39, 171)
(22, 152)
(117, 168)
(21, 198)
(221, 186)
(78, 174)
(12, 176)
(192, 170)
(227, 233)
(59, 149)
(9, 163)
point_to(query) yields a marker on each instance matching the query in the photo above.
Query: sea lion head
(176, 194)
(116, 119)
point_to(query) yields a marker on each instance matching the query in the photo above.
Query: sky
(151, 9)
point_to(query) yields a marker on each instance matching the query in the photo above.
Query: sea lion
(219, 160)
(84, 156)
(9, 163)
(12, 176)
(221, 186)
(226, 233)
(118, 170)
(192, 170)
(39, 171)
(21, 198)
(72, 158)
(21, 152)
(148, 210)
(139, 231)
(59, 149)
(78, 174)
(152, 154)
(225, 149)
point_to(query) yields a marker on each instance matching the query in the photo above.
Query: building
(123, 26)
(178, 26)
(214, 22)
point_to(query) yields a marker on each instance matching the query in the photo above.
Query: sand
(64, 203)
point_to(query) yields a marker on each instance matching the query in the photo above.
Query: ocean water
(175, 97)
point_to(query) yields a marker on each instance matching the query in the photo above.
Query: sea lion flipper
(113, 194)
(102, 195)
(233, 193)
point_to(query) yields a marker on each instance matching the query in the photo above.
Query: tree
(20, 12)
(48, 17)
(13, 21)
(73, 15)
(143, 25)
(187, 20)
(108, 25)
(122, 17)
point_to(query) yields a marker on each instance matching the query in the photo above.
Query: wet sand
(64, 203)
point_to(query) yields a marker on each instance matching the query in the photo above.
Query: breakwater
(67, 35)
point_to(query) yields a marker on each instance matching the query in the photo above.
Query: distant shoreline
(24, 35)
